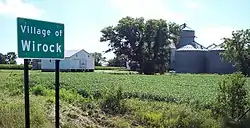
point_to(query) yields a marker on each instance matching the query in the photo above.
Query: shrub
(113, 103)
(39, 90)
(71, 96)
(83, 93)
(232, 99)
(97, 94)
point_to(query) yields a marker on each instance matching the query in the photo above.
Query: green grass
(162, 115)
(12, 113)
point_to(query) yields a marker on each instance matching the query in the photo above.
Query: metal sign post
(57, 96)
(26, 93)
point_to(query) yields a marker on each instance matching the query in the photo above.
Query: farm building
(192, 57)
(172, 55)
(75, 60)
(215, 62)
(36, 64)
(189, 59)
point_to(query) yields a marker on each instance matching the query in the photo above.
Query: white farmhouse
(75, 60)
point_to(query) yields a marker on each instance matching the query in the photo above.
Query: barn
(75, 60)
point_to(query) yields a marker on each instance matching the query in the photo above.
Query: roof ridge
(69, 53)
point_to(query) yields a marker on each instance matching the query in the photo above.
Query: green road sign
(39, 39)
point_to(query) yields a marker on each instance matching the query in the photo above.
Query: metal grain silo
(215, 64)
(186, 37)
(172, 56)
(188, 59)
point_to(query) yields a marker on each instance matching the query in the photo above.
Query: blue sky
(83, 19)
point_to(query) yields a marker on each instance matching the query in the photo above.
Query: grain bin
(186, 37)
(215, 64)
(172, 56)
(190, 60)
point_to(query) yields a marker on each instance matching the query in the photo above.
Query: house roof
(69, 53)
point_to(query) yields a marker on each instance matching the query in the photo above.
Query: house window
(49, 60)
(76, 55)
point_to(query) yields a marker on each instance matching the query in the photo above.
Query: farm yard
(159, 77)
(112, 98)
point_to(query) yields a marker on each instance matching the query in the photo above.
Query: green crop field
(152, 100)
(178, 87)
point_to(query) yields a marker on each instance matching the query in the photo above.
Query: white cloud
(146, 8)
(210, 35)
(19, 8)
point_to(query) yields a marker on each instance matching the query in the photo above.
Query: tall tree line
(146, 42)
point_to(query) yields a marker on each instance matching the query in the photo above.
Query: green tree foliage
(145, 42)
(9, 58)
(99, 59)
(237, 50)
(118, 61)
(2, 58)
(232, 98)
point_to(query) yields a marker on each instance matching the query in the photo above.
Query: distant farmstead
(188, 56)
(75, 60)
(191, 57)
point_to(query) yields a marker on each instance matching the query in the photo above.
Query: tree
(117, 61)
(231, 100)
(98, 58)
(237, 50)
(11, 57)
(145, 42)
(2, 58)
